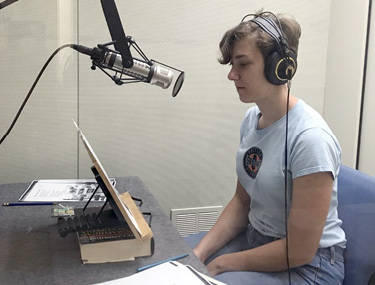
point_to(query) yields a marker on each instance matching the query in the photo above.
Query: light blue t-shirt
(312, 147)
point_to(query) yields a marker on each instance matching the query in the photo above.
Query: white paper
(169, 273)
(63, 190)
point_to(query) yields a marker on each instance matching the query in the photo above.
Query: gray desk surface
(32, 251)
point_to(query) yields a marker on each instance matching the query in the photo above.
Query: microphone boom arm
(117, 32)
(122, 44)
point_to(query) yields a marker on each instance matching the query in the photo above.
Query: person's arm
(309, 209)
(230, 223)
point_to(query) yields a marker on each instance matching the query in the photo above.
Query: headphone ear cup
(278, 70)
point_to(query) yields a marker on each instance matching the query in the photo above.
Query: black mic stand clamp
(98, 53)
(97, 56)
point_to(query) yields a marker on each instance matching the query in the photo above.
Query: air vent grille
(192, 220)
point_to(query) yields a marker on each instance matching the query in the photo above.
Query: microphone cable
(31, 90)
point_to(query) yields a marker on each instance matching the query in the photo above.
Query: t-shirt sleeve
(315, 150)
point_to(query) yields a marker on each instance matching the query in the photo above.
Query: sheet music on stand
(168, 273)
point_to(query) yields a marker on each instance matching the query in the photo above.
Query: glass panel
(42, 143)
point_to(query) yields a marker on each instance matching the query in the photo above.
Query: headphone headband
(270, 27)
(280, 66)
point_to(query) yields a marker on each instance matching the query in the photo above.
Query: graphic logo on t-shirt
(252, 161)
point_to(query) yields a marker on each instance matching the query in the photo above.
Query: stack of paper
(169, 273)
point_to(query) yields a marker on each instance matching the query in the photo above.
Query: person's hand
(214, 266)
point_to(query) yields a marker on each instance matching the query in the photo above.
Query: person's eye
(243, 64)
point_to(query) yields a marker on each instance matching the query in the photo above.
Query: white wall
(367, 150)
(344, 81)
(183, 148)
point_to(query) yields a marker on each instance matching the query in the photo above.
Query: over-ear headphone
(281, 63)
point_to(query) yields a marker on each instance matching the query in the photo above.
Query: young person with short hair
(251, 238)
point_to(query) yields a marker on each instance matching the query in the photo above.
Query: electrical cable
(286, 182)
(289, 76)
(282, 47)
(363, 93)
(31, 90)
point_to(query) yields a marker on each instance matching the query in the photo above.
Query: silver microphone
(151, 73)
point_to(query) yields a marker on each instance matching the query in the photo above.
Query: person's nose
(233, 75)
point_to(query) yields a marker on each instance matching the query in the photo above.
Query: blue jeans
(327, 266)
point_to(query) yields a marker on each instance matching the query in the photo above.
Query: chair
(356, 196)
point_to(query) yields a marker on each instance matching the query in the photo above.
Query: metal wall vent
(193, 220)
